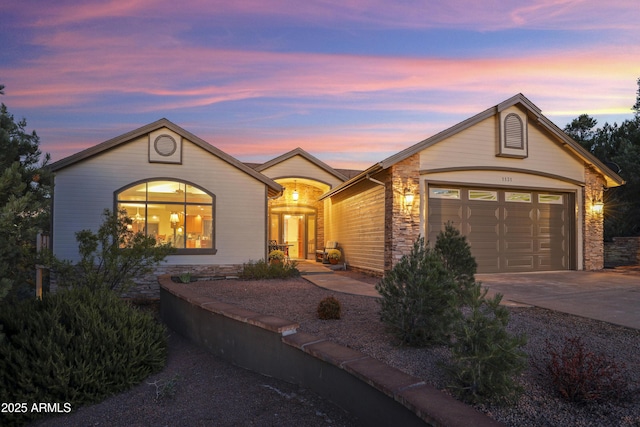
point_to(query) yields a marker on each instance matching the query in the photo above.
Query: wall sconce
(295, 194)
(408, 199)
(597, 207)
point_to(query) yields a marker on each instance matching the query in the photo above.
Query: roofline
(300, 152)
(612, 178)
(364, 175)
(124, 138)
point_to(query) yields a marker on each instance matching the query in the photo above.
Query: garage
(509, 230)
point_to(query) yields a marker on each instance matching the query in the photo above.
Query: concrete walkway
(611, 295)
(321, 275)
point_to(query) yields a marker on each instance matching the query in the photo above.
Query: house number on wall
(507, 179)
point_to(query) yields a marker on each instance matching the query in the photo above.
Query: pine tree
(486, 359)
(419, 298)
(25, 188)
(456, 256)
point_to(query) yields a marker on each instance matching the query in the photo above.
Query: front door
(295, 229)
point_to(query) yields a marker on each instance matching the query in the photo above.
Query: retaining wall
(622, 251)
(377, 394)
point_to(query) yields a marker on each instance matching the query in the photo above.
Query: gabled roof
(300, 152)
(612, 178)
(162, 123)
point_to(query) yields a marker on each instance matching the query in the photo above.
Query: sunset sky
(350, 81)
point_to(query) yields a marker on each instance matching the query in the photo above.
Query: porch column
(402, 220)
(593, 230)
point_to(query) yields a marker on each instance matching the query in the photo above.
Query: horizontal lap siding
(85, 189)
(300, 167)
(476, 147)
(358, 225)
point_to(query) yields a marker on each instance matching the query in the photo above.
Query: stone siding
(593, 222)
(147, 287)
(622, 251)
(402, 223)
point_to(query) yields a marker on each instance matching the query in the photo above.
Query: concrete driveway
(611, 295)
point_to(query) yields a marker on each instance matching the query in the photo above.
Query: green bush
(485, 358)
(256, 270)
(329, 308)
(113, 257)
(77, 346)
(419, 301)
(456, 257)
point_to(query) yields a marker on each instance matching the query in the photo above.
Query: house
(527, 197)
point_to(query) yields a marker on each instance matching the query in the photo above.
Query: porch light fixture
(597, 207)
(408, 198)
(295, 194)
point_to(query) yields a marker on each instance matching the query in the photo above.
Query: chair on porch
(321, 254)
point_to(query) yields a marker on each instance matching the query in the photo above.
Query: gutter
(366, 175)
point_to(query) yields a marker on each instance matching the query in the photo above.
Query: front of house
(524, 194)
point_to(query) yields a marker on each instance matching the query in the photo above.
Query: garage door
(508, 231)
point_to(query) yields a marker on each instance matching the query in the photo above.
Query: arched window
(172, 211)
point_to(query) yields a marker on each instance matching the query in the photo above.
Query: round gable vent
(165, 145)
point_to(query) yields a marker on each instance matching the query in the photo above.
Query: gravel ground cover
(361, 329)
(210, 392)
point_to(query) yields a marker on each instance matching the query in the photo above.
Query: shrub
(256, 270)
(582, 376)
(76, 346)
(329, 308)
(185, 277)
(113, 257)
(485, 357)
(456, 256)
(418, 301)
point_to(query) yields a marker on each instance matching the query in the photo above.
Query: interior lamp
(174, 219)
(597, 207)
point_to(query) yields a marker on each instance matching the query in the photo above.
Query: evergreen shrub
(456, 257)
(486, 359)
(418, 301)
(77, 346)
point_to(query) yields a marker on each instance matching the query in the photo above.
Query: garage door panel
(519, 263)
(518, 246)
(514, 212)
(519, 231)
(552, 263)
(523, 231)
(483, 212)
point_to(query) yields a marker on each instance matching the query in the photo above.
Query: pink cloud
(416, 14)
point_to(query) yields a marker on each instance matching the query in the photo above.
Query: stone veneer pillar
(593, 223)
(402, 223)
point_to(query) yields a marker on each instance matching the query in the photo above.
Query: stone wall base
(147, 287)
(622, 251)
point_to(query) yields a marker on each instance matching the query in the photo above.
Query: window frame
(183, 207)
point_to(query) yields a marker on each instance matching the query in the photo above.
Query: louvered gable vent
(513, 132)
